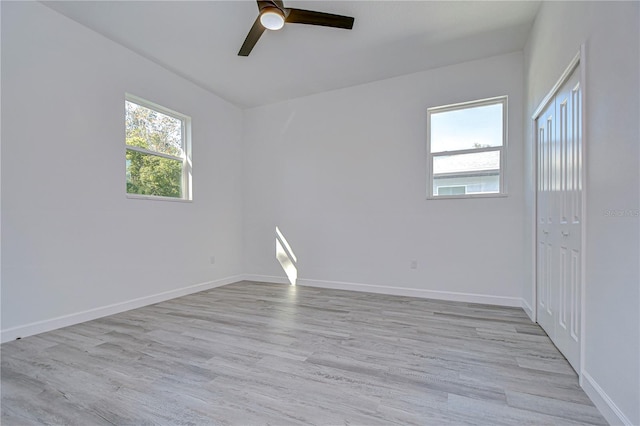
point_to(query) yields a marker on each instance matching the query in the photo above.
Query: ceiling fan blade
(252, 38)
(309, 17)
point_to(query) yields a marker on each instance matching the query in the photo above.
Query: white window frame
(187, 195)
(502, 149)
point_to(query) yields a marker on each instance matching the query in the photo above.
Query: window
(466, 149)
(157, 151)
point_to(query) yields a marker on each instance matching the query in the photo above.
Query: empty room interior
(320, 212)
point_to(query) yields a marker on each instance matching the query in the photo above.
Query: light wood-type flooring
(256, 354)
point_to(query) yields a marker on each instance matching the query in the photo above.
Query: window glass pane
(463, 174)
(473, 162)
(153, 130)
(451, 190)
(467, 128)
(153, 175)
(466, 185)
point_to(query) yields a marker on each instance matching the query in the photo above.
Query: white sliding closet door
(559, 218)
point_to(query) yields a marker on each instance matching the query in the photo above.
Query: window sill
(157, 198)
(467, 196)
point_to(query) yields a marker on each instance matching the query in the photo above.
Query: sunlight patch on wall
(286, 257)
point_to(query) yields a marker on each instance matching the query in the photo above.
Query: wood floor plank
(258, 353)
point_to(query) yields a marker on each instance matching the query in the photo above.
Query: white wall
(612, 92)
(343, 175)
(71, 240)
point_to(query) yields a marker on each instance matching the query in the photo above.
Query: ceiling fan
(273, 16)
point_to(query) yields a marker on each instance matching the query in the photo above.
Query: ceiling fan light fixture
(272, 18)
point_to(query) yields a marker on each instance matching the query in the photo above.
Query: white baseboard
(265, 279)
(527, 309)
(91, 314)
(396, 291)
(601, 400)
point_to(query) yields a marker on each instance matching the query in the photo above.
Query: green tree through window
(155, 156)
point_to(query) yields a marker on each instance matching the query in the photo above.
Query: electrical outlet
(212, 260)
(413, 264)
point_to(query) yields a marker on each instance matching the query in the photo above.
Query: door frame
(578, 60)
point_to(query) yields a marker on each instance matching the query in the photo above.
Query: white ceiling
(199, 40)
